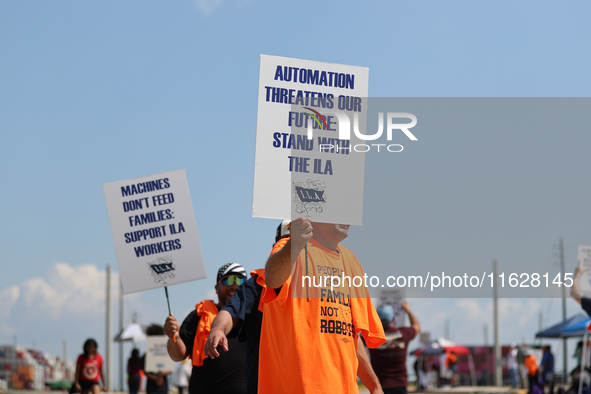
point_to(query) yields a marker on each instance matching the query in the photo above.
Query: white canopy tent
(133, 332)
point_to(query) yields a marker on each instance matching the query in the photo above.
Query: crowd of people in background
(523, 370)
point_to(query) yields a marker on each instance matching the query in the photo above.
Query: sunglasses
(229, 280)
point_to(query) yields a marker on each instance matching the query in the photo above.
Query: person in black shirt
(241, 314)
(223, 375)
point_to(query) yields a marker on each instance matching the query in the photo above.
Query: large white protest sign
(302, 165)
(157, 358)
(585, 263)
(154, 231)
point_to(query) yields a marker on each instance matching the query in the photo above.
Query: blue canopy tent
(558, 330)
(577, 329)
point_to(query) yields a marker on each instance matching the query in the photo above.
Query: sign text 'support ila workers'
(154, 231)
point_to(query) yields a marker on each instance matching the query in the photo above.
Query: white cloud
(8, 298)
(519, 313)
(70, 292)
(208, 6)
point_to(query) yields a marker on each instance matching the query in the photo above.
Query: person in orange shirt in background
(531, 363)
(311, 337)
(451, 362)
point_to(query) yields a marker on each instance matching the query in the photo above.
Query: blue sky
(94, 92)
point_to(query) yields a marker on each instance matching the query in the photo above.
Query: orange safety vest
(207, 311)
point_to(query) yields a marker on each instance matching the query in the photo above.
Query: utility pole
(121, 342)
(564, 348)
(14, 357)
(486, 353)
(497, 364)
(64, 363)
(108, 349)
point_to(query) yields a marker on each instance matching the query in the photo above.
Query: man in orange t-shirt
(451, 362)
(310, 338)
(531, 363)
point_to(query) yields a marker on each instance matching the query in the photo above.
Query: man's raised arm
(414, 321)
(278, 266)
(575, 290)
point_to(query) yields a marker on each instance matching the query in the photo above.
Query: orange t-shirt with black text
(309, 339)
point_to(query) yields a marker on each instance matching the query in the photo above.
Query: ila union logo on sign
(162, 268)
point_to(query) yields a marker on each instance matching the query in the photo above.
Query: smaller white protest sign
(394, 297)
(157, 358)
(585, 263)
(154, 231)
